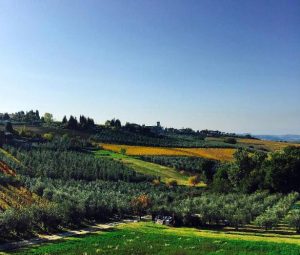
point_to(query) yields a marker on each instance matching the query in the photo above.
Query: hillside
(12, 193)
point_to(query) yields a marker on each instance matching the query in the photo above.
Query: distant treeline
(123, 136)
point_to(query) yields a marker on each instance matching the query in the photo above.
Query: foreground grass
(165, 173)
(149, 238)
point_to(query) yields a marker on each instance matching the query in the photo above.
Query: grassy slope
(165, 173)
(147, 238)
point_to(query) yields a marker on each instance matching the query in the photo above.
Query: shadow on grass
(252, 231)
(27, 245)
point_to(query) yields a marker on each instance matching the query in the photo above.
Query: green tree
(64, 120)
(283, 170)
(8, 127)
(293, 219)
(48, 117)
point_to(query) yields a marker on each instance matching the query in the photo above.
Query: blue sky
(227, 65)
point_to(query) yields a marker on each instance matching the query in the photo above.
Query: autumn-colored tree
(141, 204)
(194, 180)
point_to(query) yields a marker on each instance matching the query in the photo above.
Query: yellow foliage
(48, 136)
(222, 154)
(194, 180)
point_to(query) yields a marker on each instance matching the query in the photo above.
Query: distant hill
(287, 138)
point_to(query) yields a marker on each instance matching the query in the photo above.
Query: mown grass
(148, 168)
(222, 154)
(149, 238)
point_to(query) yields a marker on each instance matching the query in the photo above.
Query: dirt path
(47, 238)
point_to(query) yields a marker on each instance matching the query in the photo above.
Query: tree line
(277, 172)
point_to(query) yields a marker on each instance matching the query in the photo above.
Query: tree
(141, 204)
(64, 120)
(267, 220)
(37, 114)
(230, 140)
(194, 180)
(171, 183)
(6, 116)
(123, 151)
(118, 123)
(48, 136)
(283, 170)
(9, 127)
(72, 123)
(221, 182)
(293, 219)
(48, 117)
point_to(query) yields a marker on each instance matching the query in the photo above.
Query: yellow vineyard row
(222, 154)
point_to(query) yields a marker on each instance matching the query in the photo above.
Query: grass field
(149, 238)
(165, 173)
(210, 153)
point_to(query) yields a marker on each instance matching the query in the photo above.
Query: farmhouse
(158, 129)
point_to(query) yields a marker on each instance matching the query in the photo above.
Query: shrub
(230, 140)
(48, 136)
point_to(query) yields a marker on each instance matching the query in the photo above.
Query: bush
(230, 140)
(48, 136)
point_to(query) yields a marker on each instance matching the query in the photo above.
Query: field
(269, 145)
(210, 153)
(256, 143)
(149, 238)
(165, 173)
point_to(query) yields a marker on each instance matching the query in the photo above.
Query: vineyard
(269, 145)
(4, 168)
(12, 194)
(17, 197)
(221, 154)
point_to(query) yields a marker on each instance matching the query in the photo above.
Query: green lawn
(148, 168)
(149, 238)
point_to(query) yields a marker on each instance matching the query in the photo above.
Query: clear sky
(227, 65)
